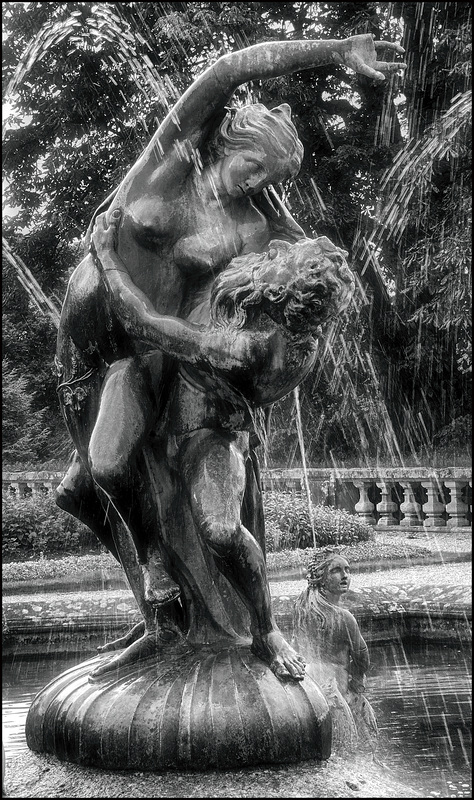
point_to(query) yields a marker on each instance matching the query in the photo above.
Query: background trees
(87, 85)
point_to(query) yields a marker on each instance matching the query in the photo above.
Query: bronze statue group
(199, 303)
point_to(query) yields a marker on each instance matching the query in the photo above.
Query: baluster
(364, 508)
(410, 508)
(434, 507)
(19, 487)
(386, 506)
(456, 508)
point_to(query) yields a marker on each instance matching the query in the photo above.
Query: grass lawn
(72, 566)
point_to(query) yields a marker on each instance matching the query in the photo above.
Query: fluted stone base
(212, 708)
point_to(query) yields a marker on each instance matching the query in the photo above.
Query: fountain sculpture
(199, 304)
(338, 658)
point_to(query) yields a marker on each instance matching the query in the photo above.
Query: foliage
(24, 433)
(289, 523)
(89, 83)
(425, 218)
(35, 525)
(29, 338)
(61, 567)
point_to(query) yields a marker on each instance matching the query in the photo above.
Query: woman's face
(338, 577)
(247, 172)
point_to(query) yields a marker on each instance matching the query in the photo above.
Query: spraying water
(299, 428)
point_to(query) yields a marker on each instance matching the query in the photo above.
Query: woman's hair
(315, 292)
(244, 128)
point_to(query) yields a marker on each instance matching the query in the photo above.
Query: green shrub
(288, 523)
(34, 525)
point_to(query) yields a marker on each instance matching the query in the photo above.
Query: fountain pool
(424, 713)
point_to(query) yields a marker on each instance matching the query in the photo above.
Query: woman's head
(256, 147)
(329, 571)
(302, 284)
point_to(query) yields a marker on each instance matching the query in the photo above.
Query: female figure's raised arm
(188, 122)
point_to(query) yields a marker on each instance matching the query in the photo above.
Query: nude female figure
(198, 196)
(337, 654)
(264, 315)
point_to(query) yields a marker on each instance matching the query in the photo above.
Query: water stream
(299, 428)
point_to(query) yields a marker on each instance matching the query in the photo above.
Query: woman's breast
(216, 237)
(206, 252)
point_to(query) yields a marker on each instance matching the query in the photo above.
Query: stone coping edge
(448, 608)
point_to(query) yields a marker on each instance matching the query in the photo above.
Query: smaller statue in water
(328, 636)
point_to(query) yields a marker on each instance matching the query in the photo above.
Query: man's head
(301, 284)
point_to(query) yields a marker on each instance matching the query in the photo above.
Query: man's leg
(213, 466)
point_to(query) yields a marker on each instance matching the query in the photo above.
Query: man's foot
(123, 641)
(159, 588)
(148, 645)
(277, 653)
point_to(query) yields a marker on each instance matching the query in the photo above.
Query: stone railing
(386, 497)
(383, 497)
(24, 484)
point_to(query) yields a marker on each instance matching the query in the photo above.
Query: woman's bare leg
(213, 467)
(126, 414)
(77, 495)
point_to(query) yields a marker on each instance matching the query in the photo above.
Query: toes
(286, 671)
(279, 669)
(296, 672)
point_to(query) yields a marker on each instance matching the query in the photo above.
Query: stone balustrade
(390, 496)
(384, 497)
(24, 484)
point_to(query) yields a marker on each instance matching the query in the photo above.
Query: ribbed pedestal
(191, 710)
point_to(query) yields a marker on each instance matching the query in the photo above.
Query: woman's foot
(277, 653)
(123, 641)
(149, 644)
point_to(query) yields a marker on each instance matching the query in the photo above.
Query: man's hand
(360, 54)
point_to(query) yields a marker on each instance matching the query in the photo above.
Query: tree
(426, 217)
(24, 432)
(89, 83)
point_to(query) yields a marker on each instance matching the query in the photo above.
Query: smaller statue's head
(330, 573)
(300, 285)
(255, 147)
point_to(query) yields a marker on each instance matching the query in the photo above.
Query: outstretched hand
(104, 236)
(360, 54)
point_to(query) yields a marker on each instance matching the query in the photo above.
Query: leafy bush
(288, 523)
(60, 567)
(34, 525)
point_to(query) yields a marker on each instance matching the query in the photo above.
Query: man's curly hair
(318, 291)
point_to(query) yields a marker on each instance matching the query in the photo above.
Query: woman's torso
(175, 246)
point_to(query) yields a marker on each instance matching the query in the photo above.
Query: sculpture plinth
(212, 708)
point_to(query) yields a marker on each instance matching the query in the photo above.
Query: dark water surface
(422, 698)
(421, 695)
